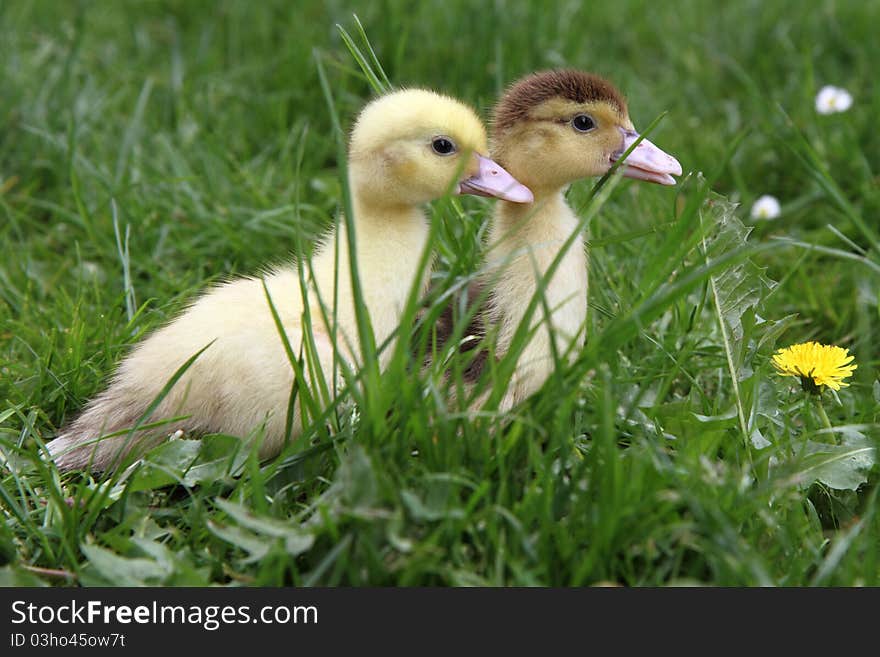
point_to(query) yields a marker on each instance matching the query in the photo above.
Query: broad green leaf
(726, 419)
(256, 546)
(165, 465)
(844, 466)
(12, 576)
(294, 538)
(737, 293)
(113, 569)
(182, 571)
(426, 511)
(220, 456)
(356, 480)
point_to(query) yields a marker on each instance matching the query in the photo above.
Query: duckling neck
(389, 241)
(524, 241)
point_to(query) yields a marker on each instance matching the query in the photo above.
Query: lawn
(150, 148)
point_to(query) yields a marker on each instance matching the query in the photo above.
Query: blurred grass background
(201, 129)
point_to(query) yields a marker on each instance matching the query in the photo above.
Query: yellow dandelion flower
(815, 365)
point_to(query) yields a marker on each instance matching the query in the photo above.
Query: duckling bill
(646, 162)
(406, 148)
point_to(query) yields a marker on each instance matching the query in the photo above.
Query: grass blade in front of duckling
(369, 361)
(371, 67)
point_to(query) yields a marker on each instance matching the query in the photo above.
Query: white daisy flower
(830, 100)
(766, 207)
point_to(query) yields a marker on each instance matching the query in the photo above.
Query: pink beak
(493, 180)
(647, 162)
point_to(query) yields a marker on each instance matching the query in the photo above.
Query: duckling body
(551, 129)
(525, 242)
(407, 148)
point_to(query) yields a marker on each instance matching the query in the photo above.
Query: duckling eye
(583, 123)
(443, 146)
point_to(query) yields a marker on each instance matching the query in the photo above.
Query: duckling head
(554, 127)
(414, 145)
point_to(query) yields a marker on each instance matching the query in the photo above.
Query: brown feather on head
(569, 84)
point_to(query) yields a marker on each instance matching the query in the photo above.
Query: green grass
(149, 148)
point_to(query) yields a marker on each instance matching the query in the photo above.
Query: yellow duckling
(550, 129)
(406, 148)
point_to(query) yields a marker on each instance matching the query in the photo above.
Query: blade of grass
(379, 84)
(125, 259)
